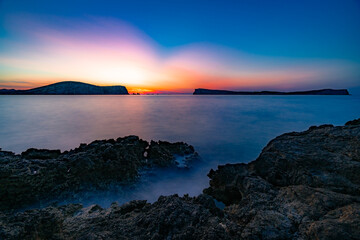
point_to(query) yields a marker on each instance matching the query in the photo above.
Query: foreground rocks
(169, 218)
(302, 186)
(37, 176)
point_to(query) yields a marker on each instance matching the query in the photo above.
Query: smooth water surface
(223, 129)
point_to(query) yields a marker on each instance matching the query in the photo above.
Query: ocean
(223, 129)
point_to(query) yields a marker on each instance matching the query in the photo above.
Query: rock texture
(69, 88)
(37, 176)
(169, 218)
(202, 91)
(304, 185)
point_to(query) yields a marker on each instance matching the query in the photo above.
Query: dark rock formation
(304, 185)
(353, 122)
(169, 218)
(202, 91)
(7, 91)
(69, 88)
(165, 154)
(36, 175)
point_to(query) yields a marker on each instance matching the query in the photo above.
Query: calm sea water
(223, 129)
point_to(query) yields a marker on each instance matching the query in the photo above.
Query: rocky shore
(303, 185)
(38, 176)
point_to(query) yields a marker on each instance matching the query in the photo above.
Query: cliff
(69, 88)
(202, 91)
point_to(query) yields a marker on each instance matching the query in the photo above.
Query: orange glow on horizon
(126, 56)
(141, 91)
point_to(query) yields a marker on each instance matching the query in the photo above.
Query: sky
(176, 46)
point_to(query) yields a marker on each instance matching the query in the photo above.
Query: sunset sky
(175, 46)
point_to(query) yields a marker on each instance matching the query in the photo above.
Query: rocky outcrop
(304, 185)
(202, 91)
(169, 218)
(39, 175)
(69, 88)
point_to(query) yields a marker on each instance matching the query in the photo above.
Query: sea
(223, 129)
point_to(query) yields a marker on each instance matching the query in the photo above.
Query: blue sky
(283, 28)
(324, 30)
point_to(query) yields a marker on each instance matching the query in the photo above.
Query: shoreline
(303, 185)
(38, 176)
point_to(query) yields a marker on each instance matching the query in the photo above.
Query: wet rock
(38, 176)
(353, 122)
(170, 217)
(303, 185)
(164, 153)
(33, 153)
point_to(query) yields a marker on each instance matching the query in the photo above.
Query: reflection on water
(223, 129)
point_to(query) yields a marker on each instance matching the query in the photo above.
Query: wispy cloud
(107, 51)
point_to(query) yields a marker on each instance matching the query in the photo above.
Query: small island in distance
(202, 91)
(80, 88)
(69, 88)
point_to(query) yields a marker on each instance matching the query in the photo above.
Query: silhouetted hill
(202, 91)
(69, 88)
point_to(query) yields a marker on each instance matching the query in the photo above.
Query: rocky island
(69, 88)
(303, 185)
(202, 91)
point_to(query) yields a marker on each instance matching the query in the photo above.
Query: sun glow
(106, 52)
(122, 74)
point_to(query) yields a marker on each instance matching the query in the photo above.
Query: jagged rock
(353, 122)
(37, 176)
(164, 153)
(303, 185)
(170, 217)
(33, 153)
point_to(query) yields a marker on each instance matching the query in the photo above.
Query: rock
(353, 122)
(33, 153)
(170, 217)
(303, 185)
(164, 153)
(38, 176)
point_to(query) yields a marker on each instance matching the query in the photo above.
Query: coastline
(327, 92)
(303, 185)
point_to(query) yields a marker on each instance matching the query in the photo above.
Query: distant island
(202, 91)
(69, 88)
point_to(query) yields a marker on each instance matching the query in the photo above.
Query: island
(202, 91)
(69, 88)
